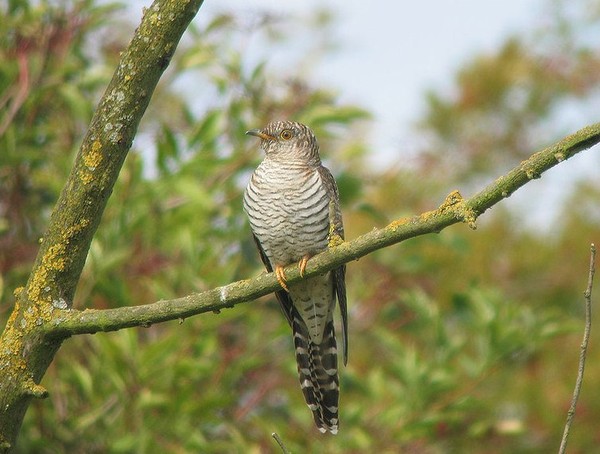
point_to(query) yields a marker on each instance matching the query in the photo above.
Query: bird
(292, 203)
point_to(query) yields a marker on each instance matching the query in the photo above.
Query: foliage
(516, 99)
(47, 85)
(458, 341)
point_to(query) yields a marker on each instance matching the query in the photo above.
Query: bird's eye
(286, 134)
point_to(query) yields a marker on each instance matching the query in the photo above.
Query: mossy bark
(25, 349)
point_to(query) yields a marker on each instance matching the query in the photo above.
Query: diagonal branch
(24, 354)
(455, 209)
(79, 208)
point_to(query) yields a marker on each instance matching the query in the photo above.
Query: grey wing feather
(339, 282)
(339, 274)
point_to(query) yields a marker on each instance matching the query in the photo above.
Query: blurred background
(466, 341)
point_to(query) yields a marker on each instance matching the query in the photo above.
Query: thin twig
(280, 443)
(21, 92)
(582, 354)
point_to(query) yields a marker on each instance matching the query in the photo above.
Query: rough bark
(25, 349)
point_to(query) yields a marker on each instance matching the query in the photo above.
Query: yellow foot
(279, 273)
(302, 264)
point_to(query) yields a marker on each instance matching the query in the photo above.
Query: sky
(391, 52)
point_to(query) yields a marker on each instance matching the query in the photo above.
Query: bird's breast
(288, 209)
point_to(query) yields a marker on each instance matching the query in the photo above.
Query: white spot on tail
(306, 384)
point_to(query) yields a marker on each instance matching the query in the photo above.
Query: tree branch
(25, 354)
(79, 208)
(583, 350)
(455, 209)
(280, 442)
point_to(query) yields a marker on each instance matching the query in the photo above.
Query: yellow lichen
(93, 158)
(54, 260)
(455, 202)
(85, 176)
(155, 20)
(31, 388)
(451, 199)
(15, 312)
(394, 225)
(335, 240)
(424, 217)
(75, 229)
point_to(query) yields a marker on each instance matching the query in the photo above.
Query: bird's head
(288, 140)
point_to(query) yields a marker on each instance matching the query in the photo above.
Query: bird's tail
(317, 369)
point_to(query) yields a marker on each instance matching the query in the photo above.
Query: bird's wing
(339, 282)
(336, 233)
(282, 296)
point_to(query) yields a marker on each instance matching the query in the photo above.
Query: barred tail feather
(317, 370)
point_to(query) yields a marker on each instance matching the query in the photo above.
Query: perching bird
(293, 206)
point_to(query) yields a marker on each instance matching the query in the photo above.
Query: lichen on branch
(455, 209)
(25, 350)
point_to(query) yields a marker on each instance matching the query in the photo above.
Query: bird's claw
(280, 274)
(302, 264)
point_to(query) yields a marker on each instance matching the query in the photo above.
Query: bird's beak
(259, 133)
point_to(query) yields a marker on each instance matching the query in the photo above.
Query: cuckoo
(293, 206)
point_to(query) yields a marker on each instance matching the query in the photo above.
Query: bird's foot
(302, 264)
(280, 274)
